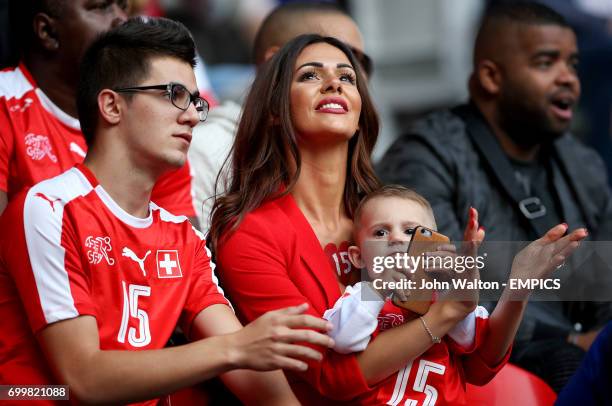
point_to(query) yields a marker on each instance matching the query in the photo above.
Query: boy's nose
(398, 237)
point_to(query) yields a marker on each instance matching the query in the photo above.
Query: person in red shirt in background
(40, 136)
(94, 276)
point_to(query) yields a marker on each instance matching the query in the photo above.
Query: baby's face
(390, 221)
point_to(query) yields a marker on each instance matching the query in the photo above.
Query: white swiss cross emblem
(168, 265)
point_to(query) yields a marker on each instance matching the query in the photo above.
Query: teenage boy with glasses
(94, 277)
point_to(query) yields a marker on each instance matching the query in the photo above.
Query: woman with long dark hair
(301, 162)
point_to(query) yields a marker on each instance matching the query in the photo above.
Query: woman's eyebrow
(344, 65)
(320, 65)
(315, 64)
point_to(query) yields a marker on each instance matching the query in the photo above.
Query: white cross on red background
(168, 265)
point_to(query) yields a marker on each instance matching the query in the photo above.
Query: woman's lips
(334, 105)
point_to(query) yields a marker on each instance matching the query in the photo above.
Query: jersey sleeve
(6, 145)
(255, 273)
(44, 262)
(354, 319)
(173, 192)
(466, 337)
(204, 289)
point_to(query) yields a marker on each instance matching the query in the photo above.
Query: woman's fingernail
(481, 228)
(565, 224)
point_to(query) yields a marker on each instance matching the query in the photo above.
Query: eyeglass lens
(181, 98)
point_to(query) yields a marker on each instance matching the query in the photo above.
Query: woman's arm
(254, 266)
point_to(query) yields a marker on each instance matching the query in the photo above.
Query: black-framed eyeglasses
(179, 97)
(364, 60)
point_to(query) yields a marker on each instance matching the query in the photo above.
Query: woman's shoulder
(269, 214)
(270, 220)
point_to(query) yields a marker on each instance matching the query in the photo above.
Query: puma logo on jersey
(131, 255)
(98, 250)
(74, 147)
(51, 201)
(21, 107)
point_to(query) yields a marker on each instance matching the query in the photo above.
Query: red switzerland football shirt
(67, 249)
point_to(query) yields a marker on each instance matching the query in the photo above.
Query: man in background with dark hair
(40, 135)
(508, 154)
(284, 23)
(94, 277)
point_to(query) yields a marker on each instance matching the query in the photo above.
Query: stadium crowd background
(421, 50)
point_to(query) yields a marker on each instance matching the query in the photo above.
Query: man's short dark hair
(273, 29)
(121, 58)
(526, 12)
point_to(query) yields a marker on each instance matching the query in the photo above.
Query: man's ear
(355, 257)
(45, 31)
(110, 106)
(489, 76)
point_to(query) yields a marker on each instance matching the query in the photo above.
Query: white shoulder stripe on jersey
(13, 84)
(60, 114)
(165, 215)
(43, 213)
(213, 276)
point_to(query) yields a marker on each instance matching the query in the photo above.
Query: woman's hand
(540, 258)
(268, 342)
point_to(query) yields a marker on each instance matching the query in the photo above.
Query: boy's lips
(186, 136)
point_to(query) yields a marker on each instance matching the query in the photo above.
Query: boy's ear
(109, 106)
(355, 257)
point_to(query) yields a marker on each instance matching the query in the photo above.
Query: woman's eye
(409, 231)
(380, 233)
(308, 76)
(347, 77)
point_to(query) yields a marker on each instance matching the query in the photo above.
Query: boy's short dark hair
(121, 58)
(392, 191)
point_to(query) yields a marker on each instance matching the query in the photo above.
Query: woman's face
(325, 102)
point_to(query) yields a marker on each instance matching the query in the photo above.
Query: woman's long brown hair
(266, 144)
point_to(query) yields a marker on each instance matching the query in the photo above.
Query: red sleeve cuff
(478, 372)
